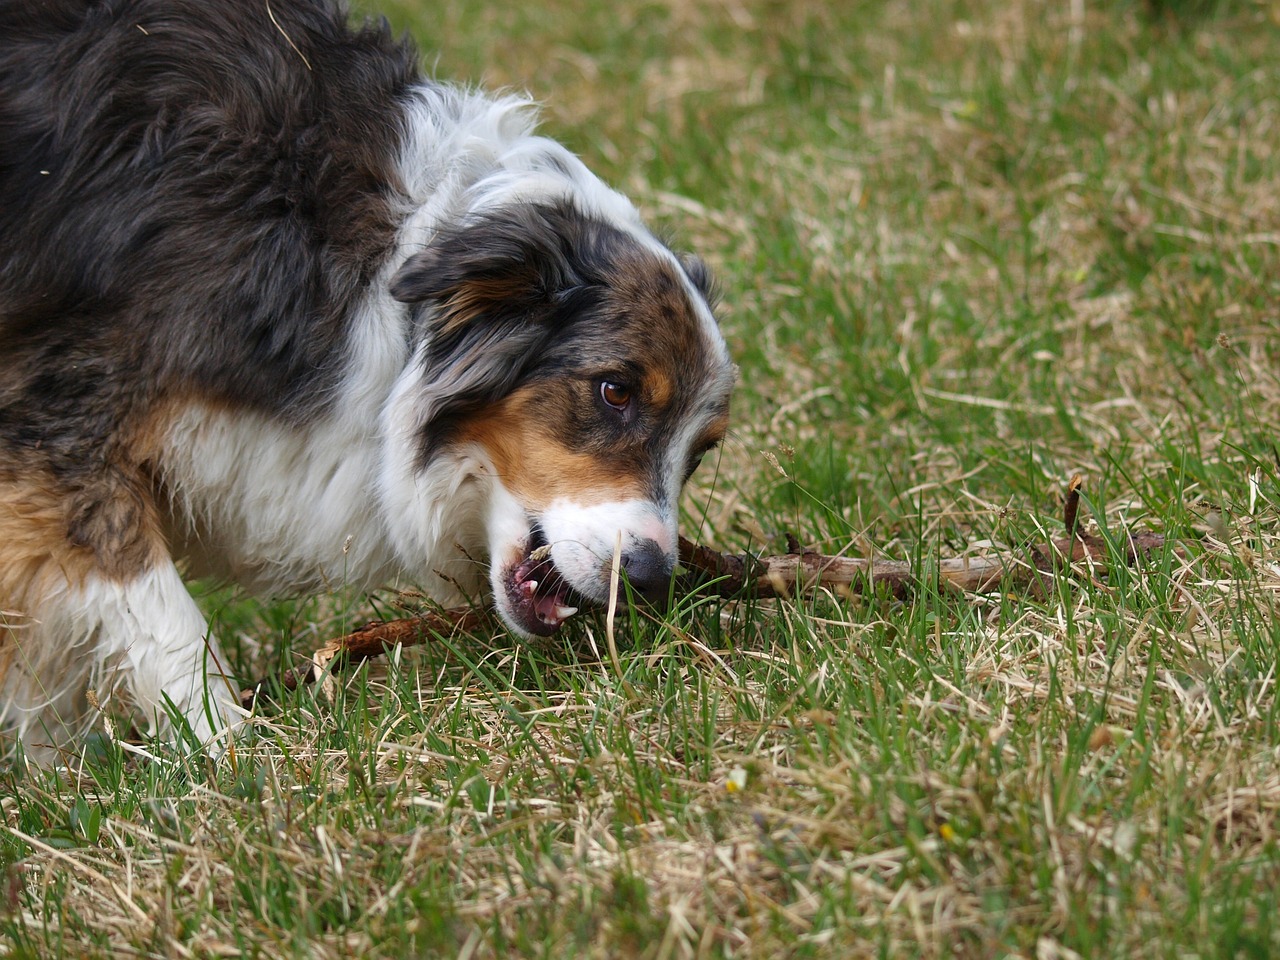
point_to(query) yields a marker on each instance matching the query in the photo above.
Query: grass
(967, 249)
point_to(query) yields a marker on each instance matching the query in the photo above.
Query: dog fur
(276, 309)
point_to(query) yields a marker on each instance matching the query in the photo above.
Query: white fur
(583, 537)
(283, 509)
(467, 152)
(146, 634)
(509, 528)
(286, 508)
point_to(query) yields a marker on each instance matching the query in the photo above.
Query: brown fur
(534, 463)
(198, 231)
(37, 548)
(37, 555)
(57, 535)
(714, 433)
(551, 438)
(654, 307)
(52, 536)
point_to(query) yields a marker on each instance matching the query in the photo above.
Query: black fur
(189, 207)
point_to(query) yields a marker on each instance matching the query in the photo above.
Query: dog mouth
(539, 599)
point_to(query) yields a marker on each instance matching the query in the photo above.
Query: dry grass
(968, 249)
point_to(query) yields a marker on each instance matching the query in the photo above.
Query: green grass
(967, 250)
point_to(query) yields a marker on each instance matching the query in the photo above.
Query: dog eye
(693, 464)
(615, 395)
(695, 459)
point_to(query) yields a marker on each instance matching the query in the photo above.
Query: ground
(966, 250)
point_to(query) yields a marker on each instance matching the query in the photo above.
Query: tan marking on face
(658, 387)
(656, 306)
(534, 465)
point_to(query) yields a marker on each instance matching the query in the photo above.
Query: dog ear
(508, 267)
(699, 275)
(495, 291)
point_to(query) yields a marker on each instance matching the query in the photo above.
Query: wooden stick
(371, 640)
(740, 576)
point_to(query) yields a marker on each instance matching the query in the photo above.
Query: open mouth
(540, 599)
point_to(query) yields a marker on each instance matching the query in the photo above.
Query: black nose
(648, 569)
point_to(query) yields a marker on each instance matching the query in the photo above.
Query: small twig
(288, 38)
(371, 640)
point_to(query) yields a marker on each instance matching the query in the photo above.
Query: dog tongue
(548, 608)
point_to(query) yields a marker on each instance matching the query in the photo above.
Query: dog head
(575, 365)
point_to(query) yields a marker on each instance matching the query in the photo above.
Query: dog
(279, 309)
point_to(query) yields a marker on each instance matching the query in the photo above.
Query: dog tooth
(528, 589)
(564, 613)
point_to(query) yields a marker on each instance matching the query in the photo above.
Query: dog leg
(145, 635)
(173, 668)
(95, 603)
(42, 710)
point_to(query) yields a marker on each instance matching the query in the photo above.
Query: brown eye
(616, 395)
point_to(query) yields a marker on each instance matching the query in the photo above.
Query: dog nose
(648, 569)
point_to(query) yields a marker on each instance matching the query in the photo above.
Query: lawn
(967, 250)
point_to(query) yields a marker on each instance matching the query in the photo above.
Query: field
(967, 250)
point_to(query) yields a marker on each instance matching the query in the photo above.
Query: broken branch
(741, 575)
(372, 640)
